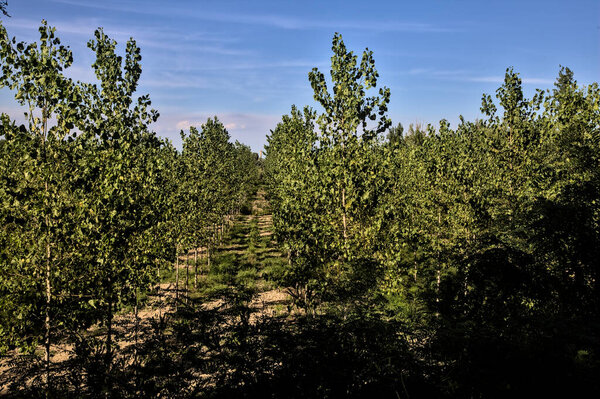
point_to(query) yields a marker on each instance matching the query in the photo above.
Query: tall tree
(43, 196)
(347, 134)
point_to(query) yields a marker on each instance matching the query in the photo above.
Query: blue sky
(247, 61)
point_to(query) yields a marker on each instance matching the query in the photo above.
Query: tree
(348, 162)
(122, 165)
(44, 196)
(292, 176)
(346, 110)
(395, 134)
(3, 5)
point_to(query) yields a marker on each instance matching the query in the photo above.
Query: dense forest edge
(358, 259)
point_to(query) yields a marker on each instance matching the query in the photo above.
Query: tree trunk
(47, 271)
(137, 324)
(415, 271)
(47, 319)
(176, 277)
(439, 267)
(437, 289)
(344, 217)
(108, 358)
(207, 258)
(109, 318)
(196, 266)
(187, 275)
(344, 221)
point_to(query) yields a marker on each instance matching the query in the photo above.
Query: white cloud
(467, 76)
(538, 81)
(146, 36)
(419, 71)
(248, 128)
(81, 27)
(485, 79)
(242, 65)
(183, 125)
(500, 79)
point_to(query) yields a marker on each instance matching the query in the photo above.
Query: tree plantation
(358, 259)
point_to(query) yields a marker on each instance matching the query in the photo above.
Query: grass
(247, 259)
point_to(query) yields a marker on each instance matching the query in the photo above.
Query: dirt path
(249, 244)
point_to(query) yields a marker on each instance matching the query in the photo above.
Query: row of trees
(483, 241)
(92, 203)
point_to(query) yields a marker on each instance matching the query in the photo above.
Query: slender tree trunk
(344, 217)
(109, 327)
(137, 324)
(207, 258)
(176, 277)
(466, 271)
(415, 275)
(47, 271)
(47, 318)
(108, 358)
(438, 271)
(415, 271)
(344, 221)
(305, 294)
(196, 266)
(187, 275)
(437, 290)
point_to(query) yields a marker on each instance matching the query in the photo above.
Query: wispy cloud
(419, 71)
(170, 80)
(469, 76)
(121, 6)
(540, 81)
(146, 36)
(438, 73)
(272, 20)
(251, 66)
(80, 27)
(500, 79)
(484, 79)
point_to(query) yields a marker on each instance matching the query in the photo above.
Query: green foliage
(323, 188)
(485, 241)
(478, 237)
(344, 151)
(293, 183)
(348, 107)
(88, 218)
(3, 5)
(42, 208)
(395, 134)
